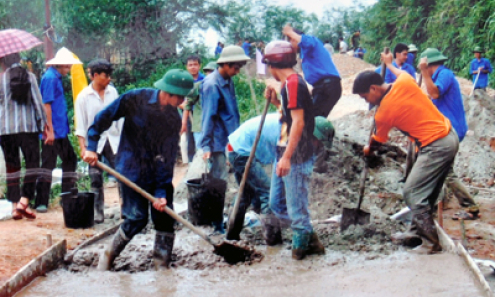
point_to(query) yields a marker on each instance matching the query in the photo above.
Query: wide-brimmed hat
(412, 48)
(211, 66)
(176, 82)
(233, 53)
(433, 55)
(64, 57)
(478, 49)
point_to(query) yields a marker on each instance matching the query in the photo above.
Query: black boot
(426, 228)
(164, 244)
(315, 247)
(114, 249)
(271, 229)
(409, 238)
(99, 205)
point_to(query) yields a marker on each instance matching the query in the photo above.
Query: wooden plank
(70, 255)
(42, 264)
(445, 241)
(475, 270)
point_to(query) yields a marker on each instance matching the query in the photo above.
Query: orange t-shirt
(407, 108)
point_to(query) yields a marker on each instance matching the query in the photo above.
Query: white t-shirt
(88, 105)
(343, 47)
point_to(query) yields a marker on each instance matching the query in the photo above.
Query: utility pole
(48, 44)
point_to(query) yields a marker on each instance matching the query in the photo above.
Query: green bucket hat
(412, 48)
(324, 130)
(478, 49)
(433, 55)
(233, 53)
(176, 82)
(211, 66)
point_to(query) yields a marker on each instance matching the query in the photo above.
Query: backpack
(20, 86)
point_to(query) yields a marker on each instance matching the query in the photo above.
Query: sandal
(463, 215)
(16, 215)
(25, 211)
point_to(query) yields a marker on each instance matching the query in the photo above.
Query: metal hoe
(230, 252)
(357, 216)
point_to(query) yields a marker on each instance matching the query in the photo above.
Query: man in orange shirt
(403, 105)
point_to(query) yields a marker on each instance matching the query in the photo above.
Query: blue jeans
(257, 188)
(136, 208)
(289, 195)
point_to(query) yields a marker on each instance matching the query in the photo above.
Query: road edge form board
(39, 266)
(448, 245)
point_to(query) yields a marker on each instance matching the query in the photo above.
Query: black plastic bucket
(206, 199)
(78, 209)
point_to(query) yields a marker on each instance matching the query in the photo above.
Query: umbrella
(15, 40)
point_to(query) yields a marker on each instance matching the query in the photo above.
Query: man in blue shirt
(400, 57)
(257, 188)
(52, 93)
(411, 55)
(480, 67)
(246, 46)
(359, 53)
(220, 112)
(443, 88)
(218, 49)
(146, 156)
(319, 70)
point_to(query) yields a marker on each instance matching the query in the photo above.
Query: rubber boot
(409, 238)
(300, 244)
(321, 165)
(315, 247)
(426, 228)
(99, 205)
(271, 229)
(114, 249)
(162, 253)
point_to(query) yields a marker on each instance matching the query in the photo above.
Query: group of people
(139, 131)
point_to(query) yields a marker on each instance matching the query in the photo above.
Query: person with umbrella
(52, 92)
(22, 118)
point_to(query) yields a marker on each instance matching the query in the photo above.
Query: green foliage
(248, 108)
(454, 27)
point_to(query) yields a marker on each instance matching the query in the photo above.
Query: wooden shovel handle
(152, 199)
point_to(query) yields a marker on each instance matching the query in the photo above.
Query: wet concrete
(335, 274)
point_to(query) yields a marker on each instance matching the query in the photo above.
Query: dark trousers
(136, 209)
(191, 145)
(29, 144)
(96, 173)
(326, 93)
(61, 148)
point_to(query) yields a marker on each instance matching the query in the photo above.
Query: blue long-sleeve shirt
(449, 103)
(149, 140)
(483, 78)
(242, 140)
(317, 63)
(220, 112)
(390, 77)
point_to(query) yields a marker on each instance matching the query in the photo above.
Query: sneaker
(41, 209)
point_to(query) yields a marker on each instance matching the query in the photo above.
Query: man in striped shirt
(22, 118)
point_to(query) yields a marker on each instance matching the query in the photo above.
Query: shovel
(230, 252)
(356, 216)
(234, 225)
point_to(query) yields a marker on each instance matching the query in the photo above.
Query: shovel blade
(232, 253)
(353, 216)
